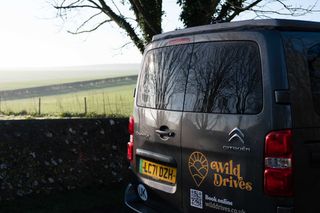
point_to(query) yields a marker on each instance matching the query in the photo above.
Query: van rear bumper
(153, 204)
(133, 202)
(131, 197)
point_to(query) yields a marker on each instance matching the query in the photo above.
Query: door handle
(165, 133)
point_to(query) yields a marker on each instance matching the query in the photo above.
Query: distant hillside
(34, 77)
(65, 88)
(101, 67)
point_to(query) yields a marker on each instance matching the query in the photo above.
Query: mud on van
(227, 119)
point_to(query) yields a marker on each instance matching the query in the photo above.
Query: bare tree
(141, 19)
(147, 17)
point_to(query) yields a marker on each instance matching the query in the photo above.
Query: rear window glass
(313, 56)
(225, 77)
(163, 78)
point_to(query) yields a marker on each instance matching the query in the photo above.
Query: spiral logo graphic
(198, 167)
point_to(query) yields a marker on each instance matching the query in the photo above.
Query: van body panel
(307, 169)
(303, 63)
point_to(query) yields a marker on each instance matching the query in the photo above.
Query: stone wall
(46, 156)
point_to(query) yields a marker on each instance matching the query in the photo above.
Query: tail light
(278, 174)
(131, 141)
(131, 125)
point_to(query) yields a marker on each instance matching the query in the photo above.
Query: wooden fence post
(85, 105)
(39, 112)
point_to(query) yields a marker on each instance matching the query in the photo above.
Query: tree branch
(283, 13)
(65, 6)
(253, 4)
(296, 10)
(91, 30)
(89, 19)
(135, 9)
(223, 12)
(122, 23)
(116, 7)
(74, 6)
(140, 11)
(74, 3)
(238, 10)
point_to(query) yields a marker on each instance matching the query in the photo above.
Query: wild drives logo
(223, 173)
(198, 167)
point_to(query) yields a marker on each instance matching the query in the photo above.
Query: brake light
(278, 144)
(278, 174)
(131, 125)
(179, 41)
(131, 141)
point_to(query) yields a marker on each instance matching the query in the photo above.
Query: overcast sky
(30, 36)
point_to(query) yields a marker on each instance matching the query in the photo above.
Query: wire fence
(94, 104)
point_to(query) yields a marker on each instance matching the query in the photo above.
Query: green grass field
(116, 100)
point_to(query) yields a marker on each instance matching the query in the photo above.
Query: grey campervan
(227, 119)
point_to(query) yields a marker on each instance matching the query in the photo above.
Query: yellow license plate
(158, 171)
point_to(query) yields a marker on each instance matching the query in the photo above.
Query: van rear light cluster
(278, 174)
(131, 141)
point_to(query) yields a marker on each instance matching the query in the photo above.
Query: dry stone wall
(47, 156)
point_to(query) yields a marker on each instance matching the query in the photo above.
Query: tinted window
(314, 69)
(163, 78)
(225, 77)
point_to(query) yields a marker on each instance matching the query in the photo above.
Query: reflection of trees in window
(247, 84)
(225, 78)
(162, 83)
(171, 64)
(208, 77)
(314, 69)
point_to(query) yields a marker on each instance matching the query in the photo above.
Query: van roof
(278, 24)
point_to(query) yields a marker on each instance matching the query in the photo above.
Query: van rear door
(158, 113)
(227, 115)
